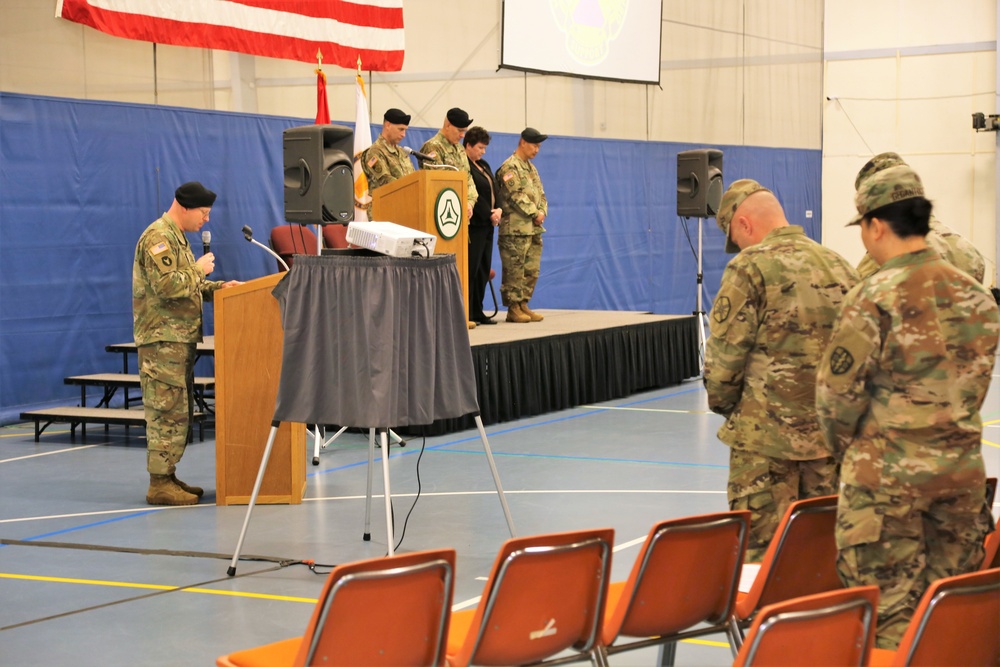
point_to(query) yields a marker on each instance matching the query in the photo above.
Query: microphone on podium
(248, 235)
(206, 241)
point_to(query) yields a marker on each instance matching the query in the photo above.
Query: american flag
(289, 29)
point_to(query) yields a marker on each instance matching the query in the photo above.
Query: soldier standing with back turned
(898, 395)
(774, 312)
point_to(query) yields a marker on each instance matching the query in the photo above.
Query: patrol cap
(194, 195)
(459, 118)
(396, 117)
(877, 164)
(886, 187)
(732, 198)
(533, 136)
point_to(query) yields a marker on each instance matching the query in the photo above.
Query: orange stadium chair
(992, 547)
(834, 629)
(291, 240)
(545, 595)
(348, 625)
(800, 560)
(956, 623)
(685, 575)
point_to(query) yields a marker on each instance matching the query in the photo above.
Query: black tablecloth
(374, 342)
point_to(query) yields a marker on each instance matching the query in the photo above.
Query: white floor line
(58, 451)
(359, 497)
(679, 412)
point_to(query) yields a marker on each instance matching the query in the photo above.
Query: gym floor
(91, 575)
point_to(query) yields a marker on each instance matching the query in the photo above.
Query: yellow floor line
(991, 444)
(154, 587)
(705, 642)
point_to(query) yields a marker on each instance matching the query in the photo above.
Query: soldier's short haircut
(907, 218)
(476, 135)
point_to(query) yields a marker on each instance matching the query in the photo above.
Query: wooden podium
(248, 348)
(431, 201)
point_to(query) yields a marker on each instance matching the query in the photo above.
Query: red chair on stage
(291, 240)
(335, 236)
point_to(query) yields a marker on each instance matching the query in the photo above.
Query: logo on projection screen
(448, 213)
(590, 27)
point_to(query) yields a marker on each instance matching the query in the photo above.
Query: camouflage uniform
(167, 289)
(520, 239)
(445, 152)
(383, 164)
(898, 395)
(771, 319)
(948, 243)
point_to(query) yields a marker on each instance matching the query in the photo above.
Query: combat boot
(535, 317)
(514, 314)
(196, 490)
(163, 491)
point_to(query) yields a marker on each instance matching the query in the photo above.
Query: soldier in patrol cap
(168, 287)
(384, 161)
(946, 241)
(445, 148)
(525, 209)
(899, 389)
(770, 322)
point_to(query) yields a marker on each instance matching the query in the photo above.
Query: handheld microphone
(417, 154)
(206, 241)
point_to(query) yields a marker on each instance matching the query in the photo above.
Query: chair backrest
(545, 594)
(686, 573)
(832, 628)
(801, 558)
(992, 547)
(956, 623)
(335, 236)
(349, 624)
(289, 240)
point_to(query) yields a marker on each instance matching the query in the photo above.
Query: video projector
(391, 239)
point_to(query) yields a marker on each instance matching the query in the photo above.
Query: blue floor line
(84, 526)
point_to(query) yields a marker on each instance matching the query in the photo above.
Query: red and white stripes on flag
(362, 140)
(291, 29)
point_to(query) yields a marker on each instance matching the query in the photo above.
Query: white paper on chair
(748, 576)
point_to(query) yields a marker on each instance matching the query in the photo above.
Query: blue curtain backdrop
(80, 180)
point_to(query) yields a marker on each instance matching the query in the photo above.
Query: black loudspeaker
(319, 176)
(699, 183)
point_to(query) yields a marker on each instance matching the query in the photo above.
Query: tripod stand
(384, 441)
(372, 341)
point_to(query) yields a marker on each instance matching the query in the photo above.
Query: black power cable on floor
(423, 444)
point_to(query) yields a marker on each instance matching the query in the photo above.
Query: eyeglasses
(204, 212)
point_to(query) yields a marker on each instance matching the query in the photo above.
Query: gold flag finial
(359, 65)
(319, 57)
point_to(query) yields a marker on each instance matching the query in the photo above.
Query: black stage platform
(573, 357)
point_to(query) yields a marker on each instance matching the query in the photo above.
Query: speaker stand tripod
(320, 441)
(699, 307)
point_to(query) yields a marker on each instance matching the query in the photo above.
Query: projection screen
(595, 39)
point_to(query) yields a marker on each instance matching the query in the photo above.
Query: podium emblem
(448, 213)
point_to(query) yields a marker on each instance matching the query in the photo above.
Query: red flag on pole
(322, 108)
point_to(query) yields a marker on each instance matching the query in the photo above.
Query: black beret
(533, 136)
(459, 118)
(194, 195)
(396, 117)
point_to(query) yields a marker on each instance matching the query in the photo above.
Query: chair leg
(668, 654)
(735, 634)
(599, 657)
